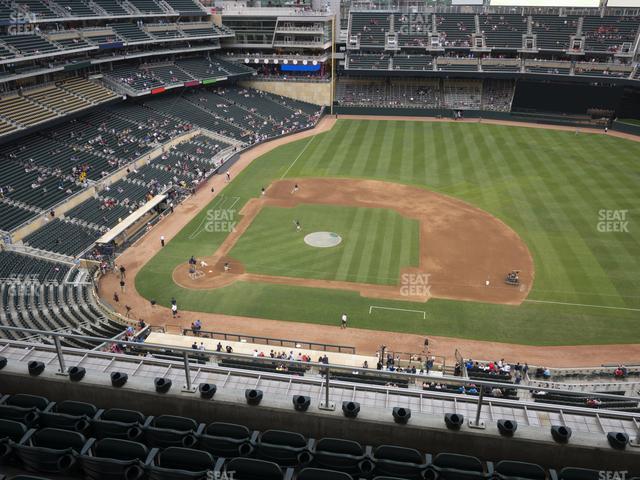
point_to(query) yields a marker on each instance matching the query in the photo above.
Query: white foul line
(584, 305)
(299, 155)
(424, 314)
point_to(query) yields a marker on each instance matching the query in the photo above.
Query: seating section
(593, 401)
(80, 440)
(91, 91)
(608, 34)
(427, 93)
(42, 169)
(111, 7)
(456, 29)
(414, 94)
(503, 31)
(413, 62)
(369, 61)
(243, 114)
(39, 9)
(38, 294)
(130, 32)
(147, 6)
(57, 99)
(11, 216)
(77, 8)
(554, 32)
(28, 44)
(185, 7)
(20, 110)
(149, 76)
(370, 27)
(64, 237)
(605, 34)
(43, 104)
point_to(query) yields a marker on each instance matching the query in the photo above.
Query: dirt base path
(461, 246)
(365, 341)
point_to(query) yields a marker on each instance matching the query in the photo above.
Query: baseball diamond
(319, 240)
(529, 183)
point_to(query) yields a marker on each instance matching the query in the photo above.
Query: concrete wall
(372, 427)
(318, 93)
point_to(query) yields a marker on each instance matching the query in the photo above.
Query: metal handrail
(281, 342)
(322, 367)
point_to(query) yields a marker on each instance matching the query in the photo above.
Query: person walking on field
(343, 321)
(162, 240)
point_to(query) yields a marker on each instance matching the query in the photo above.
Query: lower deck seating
(63, 237)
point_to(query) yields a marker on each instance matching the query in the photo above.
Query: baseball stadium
(319, 240)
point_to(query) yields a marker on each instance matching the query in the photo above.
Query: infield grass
(549, 186)
(376, 244)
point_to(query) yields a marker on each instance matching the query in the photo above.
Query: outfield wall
(542, 119)
(318, 93)
(626, 128)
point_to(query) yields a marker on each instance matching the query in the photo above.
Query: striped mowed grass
(552, 187)
(376, 244)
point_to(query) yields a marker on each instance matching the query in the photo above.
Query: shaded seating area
(62, 237)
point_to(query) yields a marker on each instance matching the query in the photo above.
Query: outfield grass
(549, 186)
(376, 244)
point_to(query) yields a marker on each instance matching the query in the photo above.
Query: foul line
(220, 200)
(584, 305)
(299, 155)
(424, 314)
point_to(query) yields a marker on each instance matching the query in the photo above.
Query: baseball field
(456, 204)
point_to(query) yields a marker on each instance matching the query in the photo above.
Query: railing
(279, 342)
(185, 355)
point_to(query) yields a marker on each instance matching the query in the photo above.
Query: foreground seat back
(114, 459)
(399, 461)
(27, 415)
(451, 466)
(10, 431)
(226, 440)
(50, 450)
(343, 455)
(284, 448)
(118, 423)
(170, 431)
(181, 463)
(322, 474)
(254, 469)
(24, 400)
(528, 471)
(570, 473)
(69, 415)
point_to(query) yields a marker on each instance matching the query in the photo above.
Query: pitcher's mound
(322, 239)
